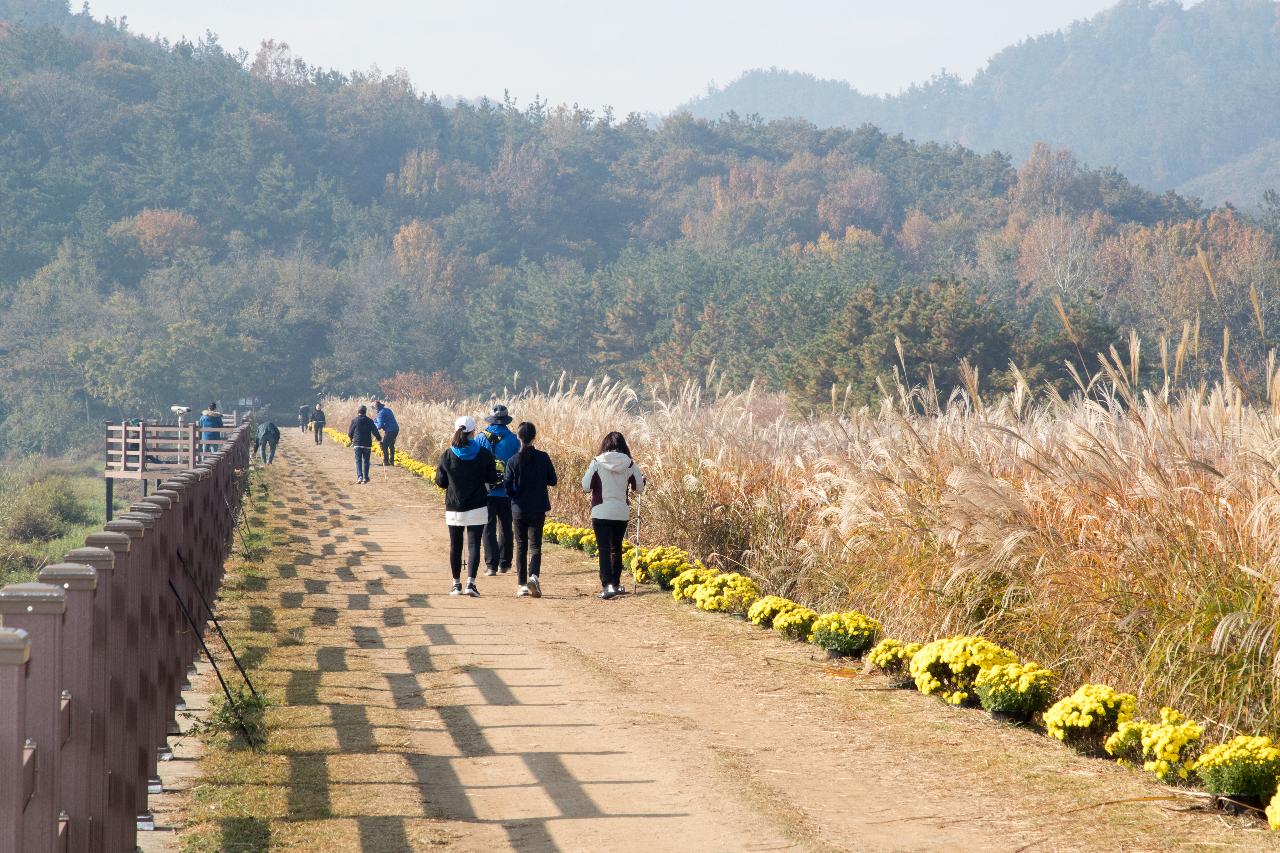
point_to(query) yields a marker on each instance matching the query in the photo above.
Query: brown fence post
(108, 645)
(120, 831)
(80, 583)
(169, 653)
(132, 735)
(147, 571)
(15, 651)
(40, 609)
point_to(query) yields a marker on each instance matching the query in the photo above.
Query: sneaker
(620, 590)
(491, 573)
(457, 588)
(523, 592)
(607, 593)
(472, 591)
(535, 586)
(505, 569)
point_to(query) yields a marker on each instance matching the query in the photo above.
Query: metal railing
(94, 658)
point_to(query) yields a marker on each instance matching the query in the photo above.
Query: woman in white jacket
(610, 479)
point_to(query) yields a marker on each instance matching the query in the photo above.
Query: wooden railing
(150, 451)
(94, 657)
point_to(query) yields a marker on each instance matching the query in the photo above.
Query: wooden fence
(94, 658)
(153, 451)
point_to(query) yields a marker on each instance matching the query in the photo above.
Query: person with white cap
(466, 472)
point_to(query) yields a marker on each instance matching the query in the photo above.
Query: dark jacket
(317, 417)
(363, 431)
(527, 479)
(466, 473)
(268, 433)
(304, 414)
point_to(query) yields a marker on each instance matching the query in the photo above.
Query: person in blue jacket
(385, 420)
(503, 444)
(209, 419)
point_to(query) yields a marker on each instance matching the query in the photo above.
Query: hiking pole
(216, 624)
(635, 585)
(241, 526)
(225, 689)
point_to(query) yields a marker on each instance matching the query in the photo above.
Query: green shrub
(42, 511)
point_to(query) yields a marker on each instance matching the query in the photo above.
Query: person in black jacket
(466, 472)
(362, 432)
(318, 421)
(528, 475)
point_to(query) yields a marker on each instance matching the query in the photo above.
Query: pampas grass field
(1125, 535)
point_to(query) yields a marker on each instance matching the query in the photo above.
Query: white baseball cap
(465, 422)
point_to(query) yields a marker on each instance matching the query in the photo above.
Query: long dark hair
(614, 442)
(526, 432)
(461, 438)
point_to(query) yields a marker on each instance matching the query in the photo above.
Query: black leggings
(609, 536)
(474, 534)
(528, 546)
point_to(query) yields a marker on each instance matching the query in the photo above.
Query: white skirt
(470, 518)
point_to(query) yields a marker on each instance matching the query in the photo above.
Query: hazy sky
(644, 55)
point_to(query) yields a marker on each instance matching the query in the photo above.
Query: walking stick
(217, 625)
(225, 689)
(635, 585)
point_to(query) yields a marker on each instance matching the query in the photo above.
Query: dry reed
(1123, 536)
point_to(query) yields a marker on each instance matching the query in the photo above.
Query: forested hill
(179, 224)
(1174, 97)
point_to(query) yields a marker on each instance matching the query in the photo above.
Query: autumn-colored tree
(431, 387)
(160, 233)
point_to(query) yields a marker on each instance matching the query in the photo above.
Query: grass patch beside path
(47, 507)
(240, 790)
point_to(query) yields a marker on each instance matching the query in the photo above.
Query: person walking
(503, 444)
(362, 432)
(527, 476)
(466, 471)
(211, 424)
(610, 478)
(304, 417)
(386, 422)
(267, 437)
(318, 420)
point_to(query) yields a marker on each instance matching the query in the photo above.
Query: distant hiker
(304, 417)
(503, 444)
(266, 439)
(610, 478)
(466, 471)
(317, 423)
(211, 424)
(386, 421)
(362, 432)
(527, 476)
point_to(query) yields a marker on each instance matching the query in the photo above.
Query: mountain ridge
(1167, 94)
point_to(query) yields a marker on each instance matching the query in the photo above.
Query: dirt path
(417, 720)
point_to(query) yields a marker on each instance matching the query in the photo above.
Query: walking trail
(413, 720)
